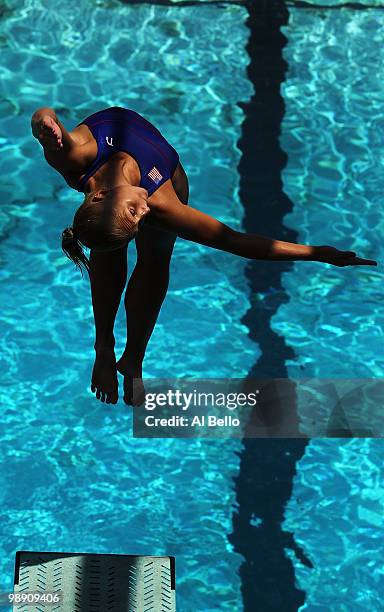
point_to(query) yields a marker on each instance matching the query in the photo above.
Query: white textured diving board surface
(95, 582)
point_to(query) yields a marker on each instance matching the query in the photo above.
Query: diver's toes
(113, 397)
(138, 400)
(128, 400)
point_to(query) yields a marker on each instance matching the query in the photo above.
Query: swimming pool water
(332, 132)
(73, 477)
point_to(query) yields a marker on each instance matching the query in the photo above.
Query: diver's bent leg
(144, 296)
(108, 274)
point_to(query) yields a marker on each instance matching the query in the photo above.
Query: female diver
(130, 174)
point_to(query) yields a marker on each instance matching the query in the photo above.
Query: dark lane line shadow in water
(267, 465)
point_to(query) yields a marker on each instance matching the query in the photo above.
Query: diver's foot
(134, 392)
(48, 133)
(104, 376)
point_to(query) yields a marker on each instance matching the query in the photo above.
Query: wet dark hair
(96, 228)
(73, 249)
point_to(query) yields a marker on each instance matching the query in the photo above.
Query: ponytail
(73, 249)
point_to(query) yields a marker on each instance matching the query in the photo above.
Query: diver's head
(106, 221)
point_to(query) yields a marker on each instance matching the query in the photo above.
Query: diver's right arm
(38, 116)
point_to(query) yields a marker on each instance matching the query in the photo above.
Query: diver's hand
(331, 255)
(47, 132)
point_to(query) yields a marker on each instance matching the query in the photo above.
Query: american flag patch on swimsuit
(155, 175)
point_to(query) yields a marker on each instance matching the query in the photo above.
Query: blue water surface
(333, 134)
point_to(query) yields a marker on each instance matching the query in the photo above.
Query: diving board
(89, 582)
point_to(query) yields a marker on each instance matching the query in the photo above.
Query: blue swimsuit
(120, 129)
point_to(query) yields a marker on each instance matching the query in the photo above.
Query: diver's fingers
(349, 258)
(329, 254)
(359, 261)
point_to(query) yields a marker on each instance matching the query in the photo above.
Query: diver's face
(126, 200)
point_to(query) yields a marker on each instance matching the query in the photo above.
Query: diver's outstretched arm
(192, 224)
